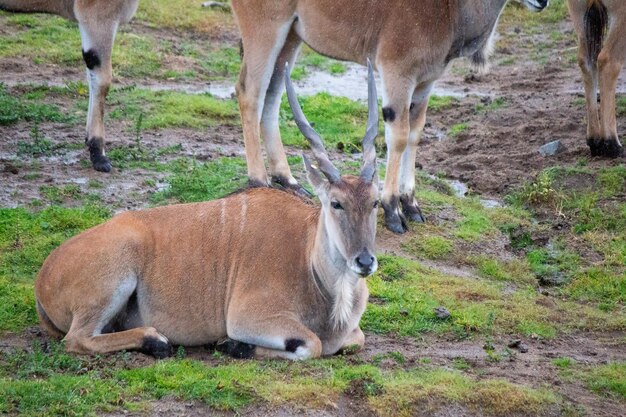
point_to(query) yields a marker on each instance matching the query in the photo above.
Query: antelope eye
(336, 205)
(376, 204)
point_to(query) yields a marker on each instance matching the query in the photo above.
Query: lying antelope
(262, 267)
(98, 21)
(411, 43)
(601, 29)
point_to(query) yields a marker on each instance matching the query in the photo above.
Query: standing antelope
(601, 29)
(411, 43)
(98, 21)
(261, 267)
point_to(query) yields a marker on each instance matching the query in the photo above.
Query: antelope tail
(63, 8)
(596, 21)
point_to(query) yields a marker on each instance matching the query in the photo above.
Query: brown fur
(98, 21)
(410, 41)
(262, 267)
(601, 29)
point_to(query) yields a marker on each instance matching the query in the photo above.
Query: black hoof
(98, 160)
(102, 165)
(282, 182)
(394, 219)
(256, 183)
(410, 209)
(157, 348)
(236, 349)
(609, 148)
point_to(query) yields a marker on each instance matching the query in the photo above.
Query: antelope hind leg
(396, 101)
(417, 116)
(610, 63)
(144, 339)
(97, 42)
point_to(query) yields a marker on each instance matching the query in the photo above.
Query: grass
(594, 270)
(516, 14)
(340, 121)
(15, 108)
(407, 294)
(162, 109)
(458, 128)
(51, 383)
(608, 379)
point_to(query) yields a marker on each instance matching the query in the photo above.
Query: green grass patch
(15, 107)
(458, 128)
(166, 14)
(621, 106)
(516, 14)
(59, 384)
(163, 109)
(308, 59)
(406, 294)
(430, 246)
(608, 379)
(439, 103)
(194, 181)
(340, 121)
(27, 238)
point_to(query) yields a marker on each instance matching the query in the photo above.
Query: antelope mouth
(364, 272)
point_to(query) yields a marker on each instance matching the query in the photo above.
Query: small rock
(552, 148)
(513, 344)
(519, 345)
(442, 313)
(404, 312)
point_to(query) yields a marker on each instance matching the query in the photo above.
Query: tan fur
(410, 41)
(602, 72)
(261, 267)
(98, 21)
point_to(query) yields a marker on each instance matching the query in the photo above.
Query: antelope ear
(315, 177)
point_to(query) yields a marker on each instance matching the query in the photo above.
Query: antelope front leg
(417, 114)
(355, 338)
(396, 101)
(97, 41)
(276, 337)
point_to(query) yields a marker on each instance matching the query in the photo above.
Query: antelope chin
(363, 273)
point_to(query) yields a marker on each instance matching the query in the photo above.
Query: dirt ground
(497, 152)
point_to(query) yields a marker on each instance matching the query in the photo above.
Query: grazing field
(526, 253)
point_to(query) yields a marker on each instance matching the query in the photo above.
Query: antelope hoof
(99, 162)
(609, 148)
(283, 182)
(394, 219)
(252, 183)
(156, 347)
(410, 209)
(236, 349)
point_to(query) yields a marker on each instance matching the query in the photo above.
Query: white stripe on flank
(244, 209)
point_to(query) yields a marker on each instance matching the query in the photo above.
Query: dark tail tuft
(596, 22)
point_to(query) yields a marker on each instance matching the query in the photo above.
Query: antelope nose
(365, 260)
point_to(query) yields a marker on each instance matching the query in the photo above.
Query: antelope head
(349, 203)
